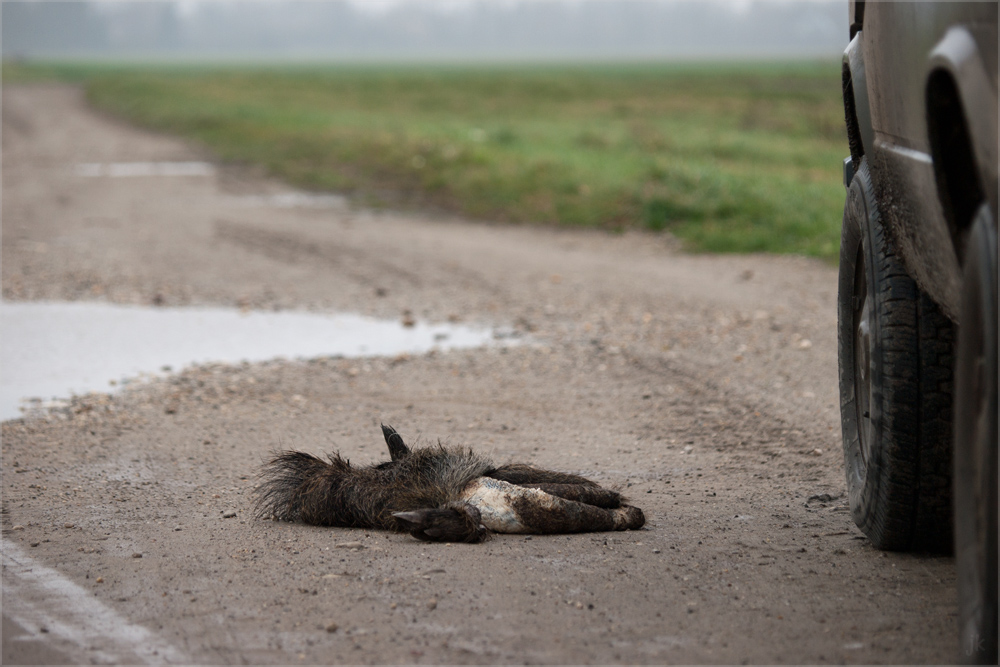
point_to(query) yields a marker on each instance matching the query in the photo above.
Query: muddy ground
(704, 387)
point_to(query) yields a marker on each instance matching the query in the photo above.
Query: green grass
(730, 158)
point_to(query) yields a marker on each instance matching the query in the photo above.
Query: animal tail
(294, 483)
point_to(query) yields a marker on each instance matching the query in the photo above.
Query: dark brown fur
(419, 491)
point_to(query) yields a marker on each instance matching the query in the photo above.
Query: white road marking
(133, 169)
(37, 597)
(293, 200)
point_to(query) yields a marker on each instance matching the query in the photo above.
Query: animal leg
(397, 448)
(509, 508)
(520, 473)
(558, 515)
(581, 493)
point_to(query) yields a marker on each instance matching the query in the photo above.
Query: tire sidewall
(860, 216)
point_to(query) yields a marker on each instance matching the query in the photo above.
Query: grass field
(730, 158)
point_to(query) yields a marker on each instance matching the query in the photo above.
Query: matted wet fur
(437, 493)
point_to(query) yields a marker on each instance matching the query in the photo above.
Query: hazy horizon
(403, 30)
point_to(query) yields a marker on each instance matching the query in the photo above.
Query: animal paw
(461, 523)
(628, 517)
(397, 448)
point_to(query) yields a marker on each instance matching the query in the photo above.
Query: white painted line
(36, 597)
(132, 169)
(293, 200)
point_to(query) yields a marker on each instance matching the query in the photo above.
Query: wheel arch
(963, 144)
(857, 112)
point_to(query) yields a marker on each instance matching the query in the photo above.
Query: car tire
(895, 352)
(975, 441)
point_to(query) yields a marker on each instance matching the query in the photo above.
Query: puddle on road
(52, 350)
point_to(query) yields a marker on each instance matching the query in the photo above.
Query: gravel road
(703, 386)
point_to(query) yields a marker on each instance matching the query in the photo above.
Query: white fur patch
(494, 500)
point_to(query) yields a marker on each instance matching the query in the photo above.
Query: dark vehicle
(918, 290)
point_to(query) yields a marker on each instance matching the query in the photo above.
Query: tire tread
(904, 499)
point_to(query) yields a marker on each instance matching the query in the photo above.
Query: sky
(406, 30)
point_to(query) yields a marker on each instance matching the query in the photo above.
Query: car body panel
(895, 47)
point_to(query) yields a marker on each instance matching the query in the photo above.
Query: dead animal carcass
(438, 494)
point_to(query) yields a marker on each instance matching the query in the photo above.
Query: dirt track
(704, 386)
